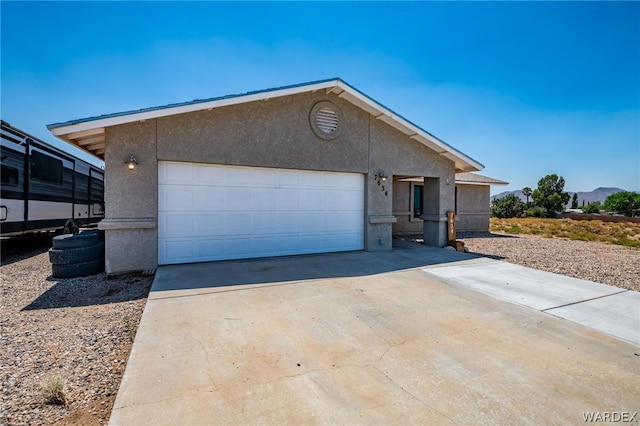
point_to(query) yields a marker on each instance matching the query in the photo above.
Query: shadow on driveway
(405, 255)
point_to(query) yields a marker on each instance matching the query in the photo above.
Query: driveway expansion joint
(585, 300)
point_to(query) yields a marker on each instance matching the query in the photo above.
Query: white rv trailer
(44, 188)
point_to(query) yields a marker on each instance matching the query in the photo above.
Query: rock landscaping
(65, 342)
(590, 260)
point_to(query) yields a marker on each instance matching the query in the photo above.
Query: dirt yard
(76, 332)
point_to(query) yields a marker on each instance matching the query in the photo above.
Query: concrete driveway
(363, 338)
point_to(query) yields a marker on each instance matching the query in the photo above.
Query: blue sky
(525, 88)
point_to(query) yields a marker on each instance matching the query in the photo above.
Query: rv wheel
(70, 227)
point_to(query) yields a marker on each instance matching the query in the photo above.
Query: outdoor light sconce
(381, 178)
(131, 163)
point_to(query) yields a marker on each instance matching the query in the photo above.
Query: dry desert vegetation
(65, 342)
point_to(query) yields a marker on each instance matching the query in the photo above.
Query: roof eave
(86, 133)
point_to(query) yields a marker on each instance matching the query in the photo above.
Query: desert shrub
(508, 206)
(535, 211)
(54, 390)
(592, 208)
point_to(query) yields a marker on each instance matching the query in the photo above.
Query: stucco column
(438, 198)
(131, 199)
(379, 217)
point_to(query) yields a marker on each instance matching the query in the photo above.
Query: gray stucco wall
(402, 209)
(473, 207)
(271, 133)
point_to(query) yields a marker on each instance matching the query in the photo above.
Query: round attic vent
(326, 120)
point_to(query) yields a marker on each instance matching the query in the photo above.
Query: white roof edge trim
(464, 182)
(410, 126)
(462, 162)
(457, 182)
(147, 115)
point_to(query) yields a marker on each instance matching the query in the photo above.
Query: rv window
(45, 168)
(9, 176)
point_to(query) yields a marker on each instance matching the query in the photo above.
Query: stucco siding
(473, 207)
(267, 133)
(271, 133)
(131, 193)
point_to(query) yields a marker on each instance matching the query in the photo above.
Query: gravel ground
(594, 261)
(80, 329)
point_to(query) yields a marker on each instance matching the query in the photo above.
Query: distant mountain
(598, 194)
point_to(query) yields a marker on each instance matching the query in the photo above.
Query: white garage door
(213, 212)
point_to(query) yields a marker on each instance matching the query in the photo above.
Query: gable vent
(327, 120)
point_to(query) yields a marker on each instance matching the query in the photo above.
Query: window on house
(9, 176)
(455, 200)
(417, 201)
(45, 168)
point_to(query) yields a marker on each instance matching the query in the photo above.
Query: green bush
(535, 211)
(592, 208)
(508, 206)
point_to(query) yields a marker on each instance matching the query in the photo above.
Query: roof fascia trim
(408, 128)
(465, 182)
(191, 107)
(349, 93)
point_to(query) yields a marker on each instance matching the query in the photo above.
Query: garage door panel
(286, 223)
(352, 240)
(237, 176)
(288, 178)
(237, 247)
(237, 223)
(208, 223)
(174, 197)
(215, 212)
(264, 178)
(287, 199)
(261, 198)
(176, 173)
(235, 199)
(209, 248)
(350, 201)
(176, 251)
(262, 246)
(176, 224)
(208, 175)
(208, 197)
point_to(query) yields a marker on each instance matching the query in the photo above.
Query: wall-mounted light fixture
(381, 178)
(131, 163)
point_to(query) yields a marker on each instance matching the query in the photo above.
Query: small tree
(526, 191)
(574, 201)
(625, 202)
(508, 206)
(591, 208)
(550, 194)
